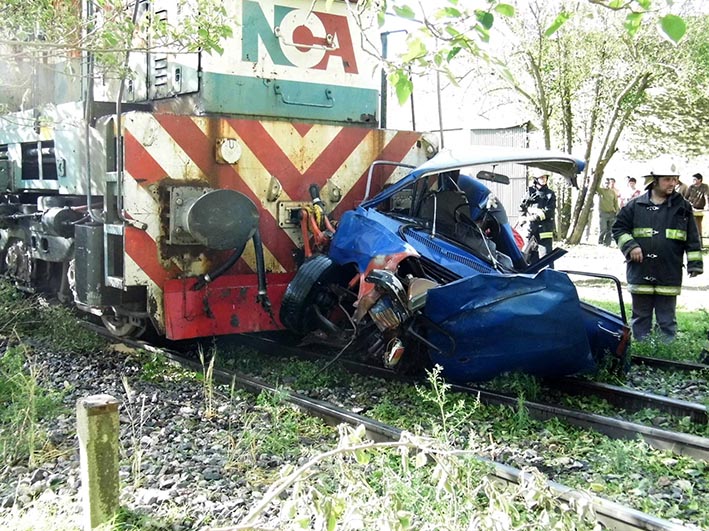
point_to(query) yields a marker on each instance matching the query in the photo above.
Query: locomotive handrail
(328, 96)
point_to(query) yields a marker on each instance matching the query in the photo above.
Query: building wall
(512, 194)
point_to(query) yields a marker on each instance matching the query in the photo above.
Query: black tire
(310, 289)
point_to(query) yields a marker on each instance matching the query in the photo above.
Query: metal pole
(383, 95)
(440, 107)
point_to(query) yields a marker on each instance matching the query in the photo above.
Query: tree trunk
(622, 110)
(565, 196)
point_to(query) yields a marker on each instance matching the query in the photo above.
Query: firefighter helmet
(668, 170)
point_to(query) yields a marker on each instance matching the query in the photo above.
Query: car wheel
(308, 297)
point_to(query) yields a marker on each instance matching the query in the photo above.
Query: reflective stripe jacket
(665, 233)
(545, 200)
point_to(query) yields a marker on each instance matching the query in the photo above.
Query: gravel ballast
(182, 464)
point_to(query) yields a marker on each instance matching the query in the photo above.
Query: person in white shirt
(631, 192)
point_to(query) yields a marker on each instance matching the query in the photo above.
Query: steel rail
(679, 443)
(632, 399)
(669, 365)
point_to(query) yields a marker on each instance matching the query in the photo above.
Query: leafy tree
(672, 116)
(58, 32)
(450, 28)
(581, 67)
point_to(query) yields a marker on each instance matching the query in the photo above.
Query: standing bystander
(607, 209)
(631, 192)
(654, 232)
(611, 185)
(698, 196)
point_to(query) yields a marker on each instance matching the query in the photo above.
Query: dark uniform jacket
(545, 200)
(664, 233)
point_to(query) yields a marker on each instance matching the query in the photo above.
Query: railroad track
(669, 364)
(633, 400)
(677, 442)
(610, 514)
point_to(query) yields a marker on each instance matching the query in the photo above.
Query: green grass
(691, 339)
(23, 404)
(26, 320)
(57, 327)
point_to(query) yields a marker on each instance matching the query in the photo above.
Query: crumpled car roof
(462, 157)
(552, 161)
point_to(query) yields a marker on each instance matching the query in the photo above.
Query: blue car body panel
(359, 239)
(497, 322)
(526, 323)
(363, 235)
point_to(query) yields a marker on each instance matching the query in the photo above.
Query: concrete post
(97, 428)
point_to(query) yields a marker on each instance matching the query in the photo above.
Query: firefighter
(539, 207)
(654, 232)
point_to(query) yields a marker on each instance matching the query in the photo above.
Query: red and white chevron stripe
(163, 149)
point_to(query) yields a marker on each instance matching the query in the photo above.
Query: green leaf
(404, 88)
(485, 18)
(508, 75)
(616, 4)
(404, 12)
(632, 23)
(453, 52)
(452, 12)
(505, 10)
(416, 49)
(673, 26)
(558, 22)
(362, 457)
(381, 18)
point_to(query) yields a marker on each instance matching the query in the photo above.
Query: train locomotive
(198, 196)
(181, 199)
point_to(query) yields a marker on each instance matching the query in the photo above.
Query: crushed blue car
(428, 271)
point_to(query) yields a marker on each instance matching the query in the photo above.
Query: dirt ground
(609, 260)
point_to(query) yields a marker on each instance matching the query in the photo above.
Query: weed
(138, 415)
(208, 381)
(526, 386)
(24, 315)
(451, 415)
(23, 404)
(63, 330)
(413, 483)
(287, 428)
